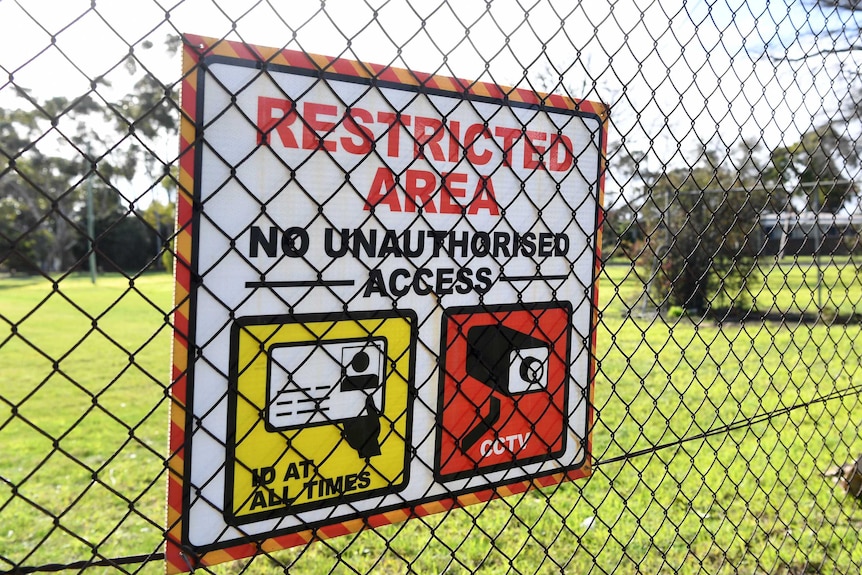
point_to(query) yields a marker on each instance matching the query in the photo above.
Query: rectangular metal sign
(386, 297)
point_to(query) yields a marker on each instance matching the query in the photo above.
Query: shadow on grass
(826, 317)
(7, 282)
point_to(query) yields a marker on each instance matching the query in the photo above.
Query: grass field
(747, 415)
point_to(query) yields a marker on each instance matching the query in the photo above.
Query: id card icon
(326, 382)
(320, 411)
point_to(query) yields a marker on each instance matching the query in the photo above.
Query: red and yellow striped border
(197, 47)
(176, 561)
(180, 559)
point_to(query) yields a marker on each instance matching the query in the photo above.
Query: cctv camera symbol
(507, 361)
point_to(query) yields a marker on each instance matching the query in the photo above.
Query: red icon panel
(503, 387)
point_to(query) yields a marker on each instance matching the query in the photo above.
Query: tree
(130, 241)
(47, 180)
(57, 153)
(160, 218)
(620, 229)
(40, 188)
(703, 230)
(814, 170)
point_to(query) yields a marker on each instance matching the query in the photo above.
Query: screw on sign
(503, 387)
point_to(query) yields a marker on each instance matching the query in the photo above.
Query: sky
(675, 73)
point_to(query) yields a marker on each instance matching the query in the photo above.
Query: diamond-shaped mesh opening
(412, 247)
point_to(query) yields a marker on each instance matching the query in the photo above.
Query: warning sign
(503, 382)
(336, 404)
(385, 297)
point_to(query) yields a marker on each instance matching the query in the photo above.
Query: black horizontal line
(532, 278)
(301, 283)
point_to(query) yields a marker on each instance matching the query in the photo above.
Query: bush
(709, 237)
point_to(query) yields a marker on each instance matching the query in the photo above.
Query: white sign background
(240, 184)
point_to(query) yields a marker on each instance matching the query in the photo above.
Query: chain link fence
(670, 381)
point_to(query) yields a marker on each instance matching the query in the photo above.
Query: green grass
(750, 414)
(83, 418)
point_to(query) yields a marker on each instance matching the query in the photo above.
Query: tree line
(695, 230)
(69, 163)
(78, 175)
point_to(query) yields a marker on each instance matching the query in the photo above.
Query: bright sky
(676, 73)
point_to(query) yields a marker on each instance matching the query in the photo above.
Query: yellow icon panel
(320, 411)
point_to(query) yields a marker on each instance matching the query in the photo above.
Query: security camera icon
(504, 399)
(507, 360)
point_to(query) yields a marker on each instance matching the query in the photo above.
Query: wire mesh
(725, 409)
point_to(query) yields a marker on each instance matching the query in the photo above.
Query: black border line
(505, 278)
(194, 285)
(375, 82)
(300, 283)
